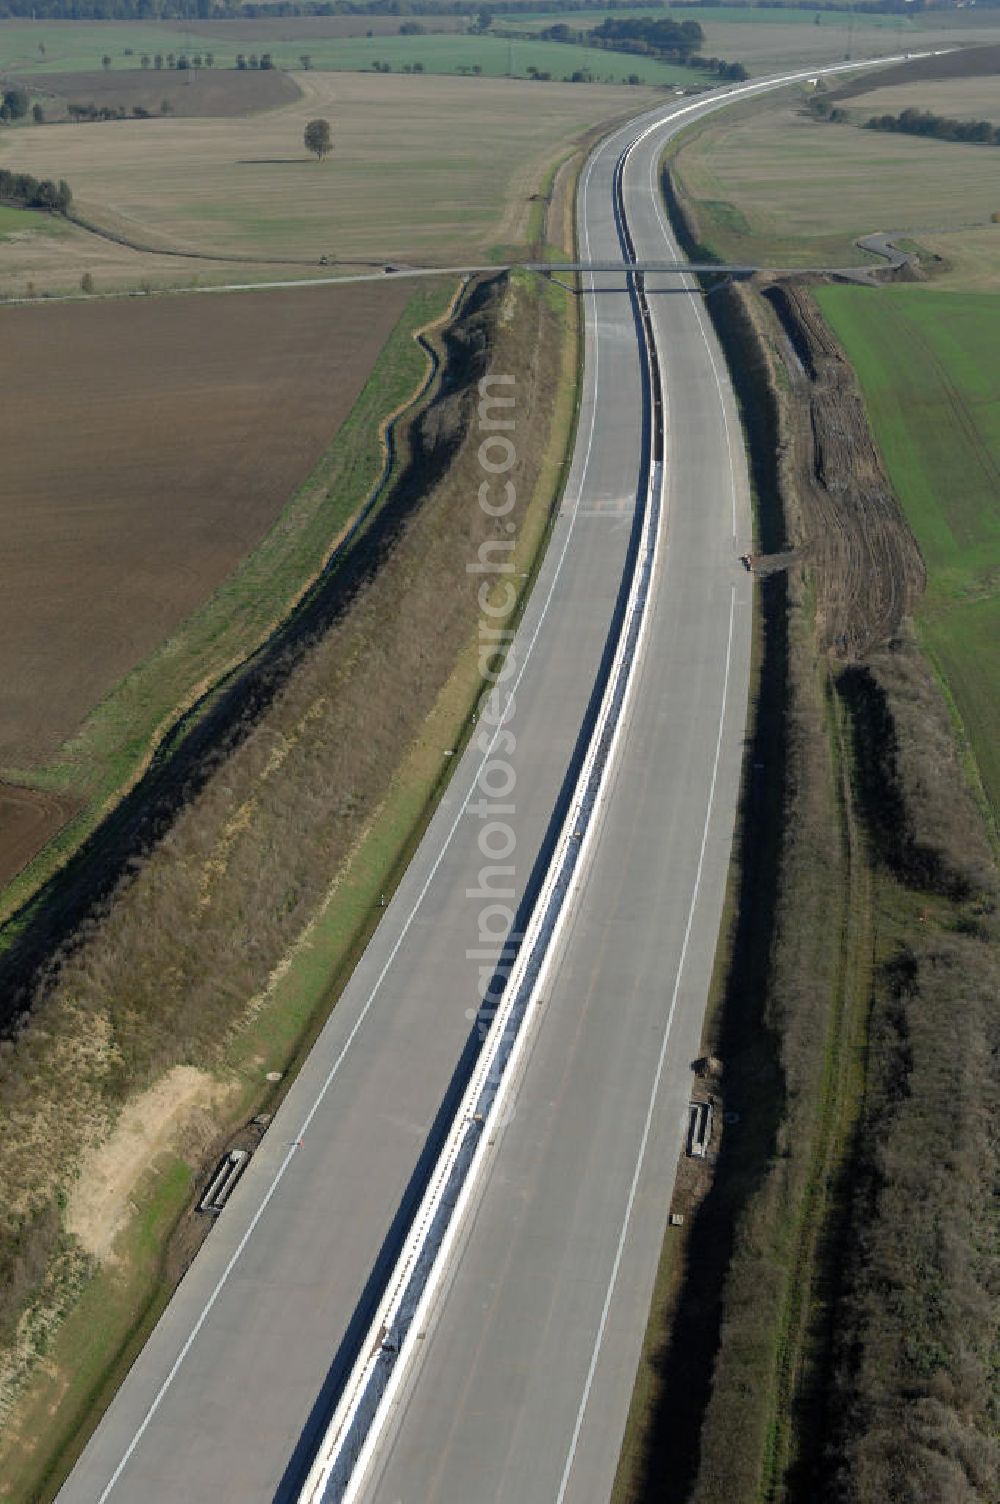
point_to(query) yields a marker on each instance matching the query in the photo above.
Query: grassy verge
(263, 1017)
(119, 740)
(97, 1343)
(926, 363)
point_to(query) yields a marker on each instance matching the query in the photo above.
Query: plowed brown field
(202, 92)
(28, 818)
(148, 446)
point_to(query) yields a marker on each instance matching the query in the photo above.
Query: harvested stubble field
(441, 170)
(958, 98)
(783, 37)
(258, 33)
(149, 446)
(198, 92)
(778, 187)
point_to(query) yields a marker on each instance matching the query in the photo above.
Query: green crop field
(25, 221)
(927, 364)
(80, 46)
(496, 56)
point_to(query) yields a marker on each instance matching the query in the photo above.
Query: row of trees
(673, 41)
(191, 10)
(26, 192)
(194, 10)
(660, 38)
(923, 123)
(115, 111)
(173, 60)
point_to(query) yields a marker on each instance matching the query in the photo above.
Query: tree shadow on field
(273, 161)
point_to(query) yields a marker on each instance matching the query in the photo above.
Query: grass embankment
(117, 742)
(272, 873)
(823, 1337)
(927, 366)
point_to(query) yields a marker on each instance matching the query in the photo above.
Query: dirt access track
(149, 445)
(868, 569)
(195, 93)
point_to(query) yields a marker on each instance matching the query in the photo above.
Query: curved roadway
(527, 1369)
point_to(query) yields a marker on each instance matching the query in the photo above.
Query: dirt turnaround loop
(866, 564)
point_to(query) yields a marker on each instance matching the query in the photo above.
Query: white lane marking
(335, 1067)
(654, 1089)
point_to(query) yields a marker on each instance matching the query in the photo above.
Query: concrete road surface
(527, 1370)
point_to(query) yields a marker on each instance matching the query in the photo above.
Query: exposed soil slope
(867, 568)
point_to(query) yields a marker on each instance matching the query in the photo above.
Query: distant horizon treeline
(208, 10)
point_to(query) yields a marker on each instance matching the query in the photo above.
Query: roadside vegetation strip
(927, 365)
(860, 804)
(292, 839)
(118, 741)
